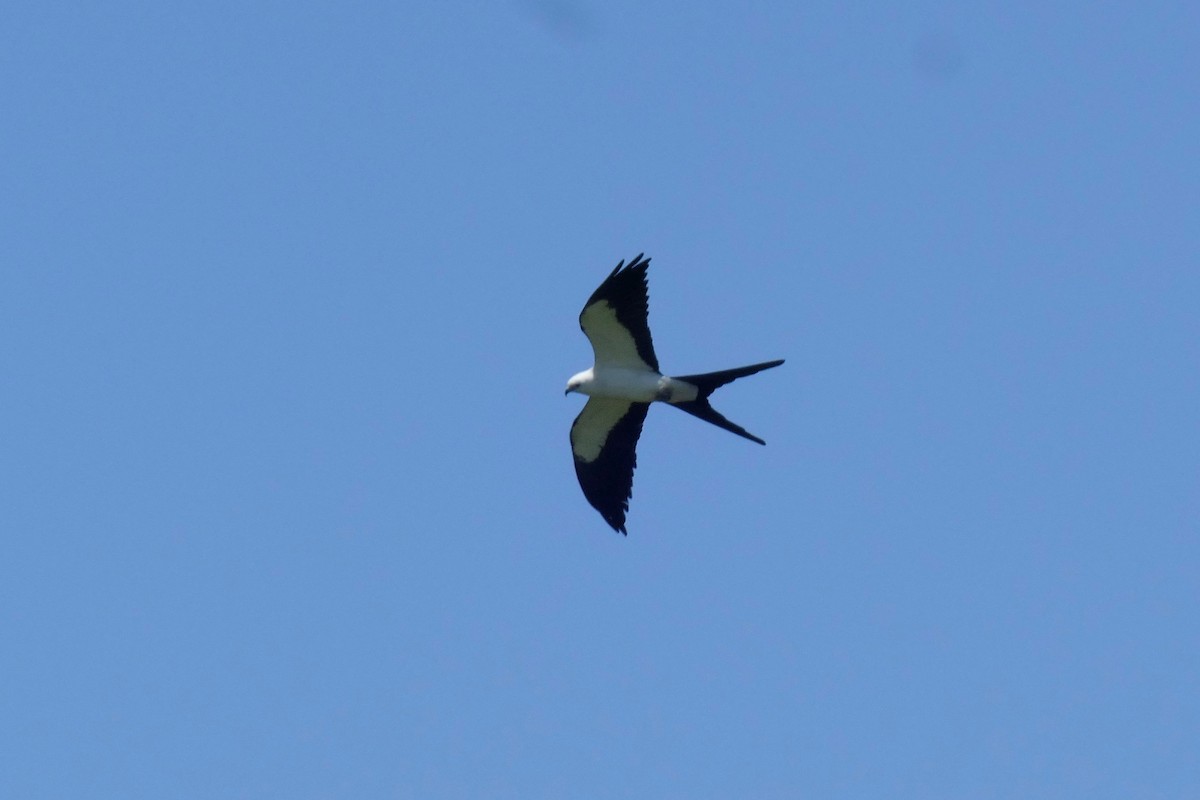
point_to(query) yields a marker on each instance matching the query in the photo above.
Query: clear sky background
(288, 302)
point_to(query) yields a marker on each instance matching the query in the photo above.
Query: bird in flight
(623, 383)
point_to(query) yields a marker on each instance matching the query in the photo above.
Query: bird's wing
(604, 440)
(614, 319)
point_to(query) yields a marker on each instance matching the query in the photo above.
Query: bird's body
(622, 384)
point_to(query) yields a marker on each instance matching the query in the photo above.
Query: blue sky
(289, 300)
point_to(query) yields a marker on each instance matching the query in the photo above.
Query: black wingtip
(615, 521)
(638, 262)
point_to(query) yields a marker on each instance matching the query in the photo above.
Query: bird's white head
(579, 382)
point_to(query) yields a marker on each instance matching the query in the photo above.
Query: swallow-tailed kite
(621, 386)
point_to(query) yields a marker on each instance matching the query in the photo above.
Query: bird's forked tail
(708, 383)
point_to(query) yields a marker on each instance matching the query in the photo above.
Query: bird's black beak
(567, 392)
